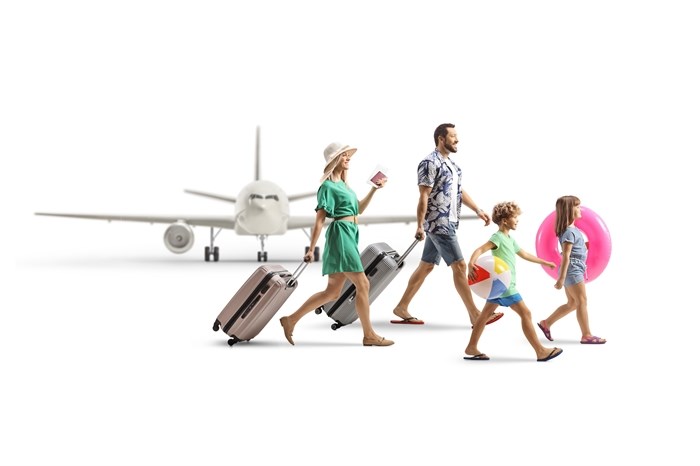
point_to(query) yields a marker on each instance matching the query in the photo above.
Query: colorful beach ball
(492, 277)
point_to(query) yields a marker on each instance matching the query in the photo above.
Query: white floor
(109, 358)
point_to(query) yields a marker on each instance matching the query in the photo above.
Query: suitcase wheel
(335, 326)
(216, 326)
(233, 341)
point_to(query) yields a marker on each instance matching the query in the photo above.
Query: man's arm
(424, 192)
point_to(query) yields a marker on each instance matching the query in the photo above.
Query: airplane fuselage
(262, 208)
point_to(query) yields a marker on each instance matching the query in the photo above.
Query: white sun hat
(331, 154)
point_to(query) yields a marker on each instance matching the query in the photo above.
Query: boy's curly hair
(503, 211)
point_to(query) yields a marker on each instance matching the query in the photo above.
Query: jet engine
(179, 237)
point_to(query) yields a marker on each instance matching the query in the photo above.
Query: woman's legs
(359, 279)
(316, 300)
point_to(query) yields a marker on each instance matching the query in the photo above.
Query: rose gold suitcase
(257, 301)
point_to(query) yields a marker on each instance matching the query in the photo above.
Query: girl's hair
(565, 213)
(504, 211)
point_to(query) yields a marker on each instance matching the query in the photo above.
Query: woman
(341, 256)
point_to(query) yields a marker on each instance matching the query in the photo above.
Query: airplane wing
(308, 221)
(294, 222)
(379, 219)
(216, 222)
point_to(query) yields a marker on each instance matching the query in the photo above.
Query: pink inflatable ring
(595, 231)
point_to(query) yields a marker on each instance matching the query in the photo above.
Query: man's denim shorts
(445, 246)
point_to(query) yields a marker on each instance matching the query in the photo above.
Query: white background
(107, 353)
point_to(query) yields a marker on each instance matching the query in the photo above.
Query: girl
(572, 271)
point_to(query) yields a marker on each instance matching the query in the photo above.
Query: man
(439, 205)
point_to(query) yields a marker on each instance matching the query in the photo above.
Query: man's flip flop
(408, 321)
(477, 357)
(555, 352)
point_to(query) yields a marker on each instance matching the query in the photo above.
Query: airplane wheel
(317, 254)
(206, 253)
(259, 256)
(265, 256)
(216, 253)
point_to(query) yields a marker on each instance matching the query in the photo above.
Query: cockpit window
(273, 196)
(255, 196)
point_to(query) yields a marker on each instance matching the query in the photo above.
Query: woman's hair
(343, 173)
(504, 211)
(565, 213)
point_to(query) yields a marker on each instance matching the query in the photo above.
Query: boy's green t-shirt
(506, 249)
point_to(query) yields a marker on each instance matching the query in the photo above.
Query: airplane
(262, 210)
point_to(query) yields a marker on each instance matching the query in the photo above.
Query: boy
(503, 246)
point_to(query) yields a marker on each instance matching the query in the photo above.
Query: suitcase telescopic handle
(400, 260)
(293, 281)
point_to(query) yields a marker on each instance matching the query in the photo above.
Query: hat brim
(333, 162)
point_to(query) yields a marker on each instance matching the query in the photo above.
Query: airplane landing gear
(212, 251)
(262, 254)
(317, 253)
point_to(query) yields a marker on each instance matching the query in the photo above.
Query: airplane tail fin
(257, 153)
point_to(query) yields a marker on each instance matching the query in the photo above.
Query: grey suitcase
(382, 264)
(257, 301)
